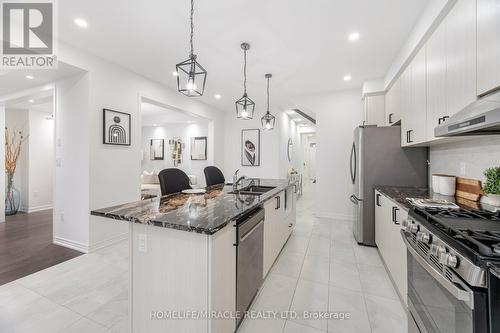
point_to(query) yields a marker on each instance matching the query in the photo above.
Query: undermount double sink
(253, 190)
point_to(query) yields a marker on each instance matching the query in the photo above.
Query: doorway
(26, 236)
(172, 138)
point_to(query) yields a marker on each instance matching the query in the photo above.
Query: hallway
(26, 246)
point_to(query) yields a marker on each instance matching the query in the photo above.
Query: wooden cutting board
(469, 189)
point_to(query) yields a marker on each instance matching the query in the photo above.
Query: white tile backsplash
(467, 158)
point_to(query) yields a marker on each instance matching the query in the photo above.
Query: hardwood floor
(26, 246)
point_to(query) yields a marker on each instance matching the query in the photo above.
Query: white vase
(493, 199)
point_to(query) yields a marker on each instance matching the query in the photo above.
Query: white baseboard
(35, 209)
(108, 242)
(342, 217)
(71, 244)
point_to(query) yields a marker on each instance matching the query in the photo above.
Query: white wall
(166, 132)
(2, 153)
(288, 130)
(337, 114)
(72, 163)
(33, 177)
(41, 158)
(273, 157)
(476, 154)
(114, 172)
(18, 120)
(269, 148)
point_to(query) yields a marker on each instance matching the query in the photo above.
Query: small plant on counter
(492, 185)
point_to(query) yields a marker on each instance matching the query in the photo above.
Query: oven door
(442, 303)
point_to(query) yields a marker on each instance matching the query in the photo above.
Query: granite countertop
(399, 194)
(206, 213)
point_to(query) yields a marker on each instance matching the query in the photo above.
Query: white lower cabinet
(276, 229)
(388, 224)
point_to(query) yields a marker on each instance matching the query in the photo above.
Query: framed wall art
(116, 128)
(199, 148)
(157, 149)
(250, 147)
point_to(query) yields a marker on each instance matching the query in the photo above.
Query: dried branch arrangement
(13, 143)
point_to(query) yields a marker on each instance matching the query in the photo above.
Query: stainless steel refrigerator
(378, 159)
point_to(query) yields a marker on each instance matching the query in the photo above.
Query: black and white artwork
(116, 128)
(250, 147)
(157, 149)
(199, 148)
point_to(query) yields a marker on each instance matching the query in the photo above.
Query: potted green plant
(492, 185)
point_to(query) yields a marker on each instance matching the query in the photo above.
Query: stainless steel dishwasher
(249, 259)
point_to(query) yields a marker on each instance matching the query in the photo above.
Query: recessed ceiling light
(347, 78)
(290, 112)
(174, 73)
(29, 77)
(155, 125)
(353, 36)
(297, 119)
(217, 96)
(81, 22)
(31, 101)
(46, 88)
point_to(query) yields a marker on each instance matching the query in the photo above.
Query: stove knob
(443, 257)
(452, 261)
(423, 237)
(436, 250)
(413, 228)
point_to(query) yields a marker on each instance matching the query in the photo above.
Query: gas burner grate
(487, 242)
(463, 213)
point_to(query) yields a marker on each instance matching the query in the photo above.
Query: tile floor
(320, 269)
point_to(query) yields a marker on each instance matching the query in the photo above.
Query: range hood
(482, 117)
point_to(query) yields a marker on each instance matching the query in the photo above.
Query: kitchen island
(183, 253)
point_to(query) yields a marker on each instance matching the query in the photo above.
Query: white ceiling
(28, 101)
(14, 81)
(302, 43)
(154, 115)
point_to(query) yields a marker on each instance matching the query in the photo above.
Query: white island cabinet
(174, 270)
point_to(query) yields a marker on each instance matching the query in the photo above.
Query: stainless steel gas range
(451, 257)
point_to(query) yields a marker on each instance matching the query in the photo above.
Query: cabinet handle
(277, 203)
(408, 136)
(442, 120)
(390, 118)
(378, 200)
(394, 215)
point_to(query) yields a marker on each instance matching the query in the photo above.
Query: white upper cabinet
(488, 45)
(436, 80)
(460, 56)
(375, 110)
(393, 103)
(414, 103)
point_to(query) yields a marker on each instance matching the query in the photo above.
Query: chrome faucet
(236, 183)
(235, 176)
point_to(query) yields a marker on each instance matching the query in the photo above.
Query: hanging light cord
(192, 28)
(245, 71)
(267, 95)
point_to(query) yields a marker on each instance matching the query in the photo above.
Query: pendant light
(245, 106)
(191, 76)
(268, 120)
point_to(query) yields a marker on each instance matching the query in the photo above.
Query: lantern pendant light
(268, 120)
(191, 76)
(245, 106)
